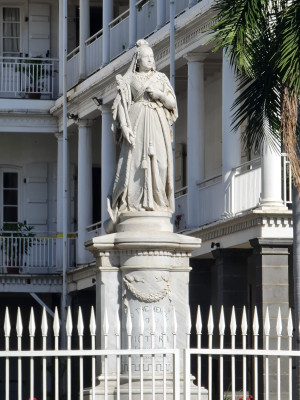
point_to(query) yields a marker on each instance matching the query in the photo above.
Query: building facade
(237, 202)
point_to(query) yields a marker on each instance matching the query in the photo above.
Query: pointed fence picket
(245, 347)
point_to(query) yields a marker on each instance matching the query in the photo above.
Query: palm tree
(262, 40)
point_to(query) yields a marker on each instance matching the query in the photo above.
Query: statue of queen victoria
(143, 111)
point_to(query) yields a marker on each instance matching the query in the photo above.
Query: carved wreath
(147, 297)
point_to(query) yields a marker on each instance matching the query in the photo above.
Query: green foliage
(11, 236)
(261, 39)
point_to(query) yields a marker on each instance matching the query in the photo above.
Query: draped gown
(144, 177)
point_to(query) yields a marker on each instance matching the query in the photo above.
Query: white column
(61, 46)
(161, 14)
(85, 199)
(231, 141)
(271, 195)
(132, 23)
(84, 33)
(107, 15)
(59, 202)
(108, 160)
(195, 134)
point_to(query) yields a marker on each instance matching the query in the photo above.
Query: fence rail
(230, 362)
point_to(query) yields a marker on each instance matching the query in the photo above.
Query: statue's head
(143, 56)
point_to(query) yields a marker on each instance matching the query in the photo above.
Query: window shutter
(36, 195)
(39, 29)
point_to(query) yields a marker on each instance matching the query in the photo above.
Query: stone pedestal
(143, 266)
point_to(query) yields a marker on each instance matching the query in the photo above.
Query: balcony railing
(21, 76)
(38, 254)
(242, 193)
(119, 37)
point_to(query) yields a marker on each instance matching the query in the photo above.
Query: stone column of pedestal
(108, 160)
(195, 134)
(107, 16)
(132, 23)
(143, 266)
(161, 14)
(231, 142)
(84, 33)
(270, 272)
(59, 202)
(271, 194)
(85, 195)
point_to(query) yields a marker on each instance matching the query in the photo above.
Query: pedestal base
(162, 390)
(143, 272)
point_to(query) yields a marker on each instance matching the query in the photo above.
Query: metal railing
(22, 75)
(237, 362)
(34, 254)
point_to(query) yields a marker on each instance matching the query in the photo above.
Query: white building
(237, 203)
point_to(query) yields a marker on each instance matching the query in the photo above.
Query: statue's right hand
(128, 135)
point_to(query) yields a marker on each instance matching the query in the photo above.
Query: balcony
(118, 28)
(23, 77)
(243, 193)
(36, 254)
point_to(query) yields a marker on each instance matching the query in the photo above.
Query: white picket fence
(38, 366)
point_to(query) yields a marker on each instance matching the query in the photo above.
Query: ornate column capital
(84, 123)
(105, 108)
(58, 135)
(195, 56)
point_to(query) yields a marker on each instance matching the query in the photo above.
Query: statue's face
(146, 59)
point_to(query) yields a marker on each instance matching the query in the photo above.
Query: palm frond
(289, 50)
(258, 107)
(239, 24)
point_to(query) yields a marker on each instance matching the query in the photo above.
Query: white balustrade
(35, 254)
(24, 75)
(146, 19)
(245, 186)
(73, 68)
(210, 199)
(119, 28)
(180, 215)
(94, 52)
(119, 35)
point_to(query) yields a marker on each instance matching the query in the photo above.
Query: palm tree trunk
(290, 145)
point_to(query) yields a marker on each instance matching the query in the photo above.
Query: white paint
(195, 134)
(108, 160)
(231, 143)
(271, 195)
(132, 23)
(85, 201)
(84, 33)
(107, 10)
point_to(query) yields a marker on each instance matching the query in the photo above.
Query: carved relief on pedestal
(147, 296)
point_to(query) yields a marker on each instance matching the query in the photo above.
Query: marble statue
(143, 111)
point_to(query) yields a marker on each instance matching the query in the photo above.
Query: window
(11, 31)
(9, 197)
